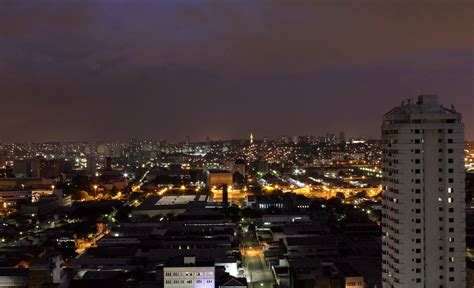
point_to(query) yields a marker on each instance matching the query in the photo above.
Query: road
(257, 272)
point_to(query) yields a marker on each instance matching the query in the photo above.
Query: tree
(238, 178)
(361, 194)
(336, 204)
(340, 195)
(114, 191)
(81, 196)
(257, 189)
(252, 228)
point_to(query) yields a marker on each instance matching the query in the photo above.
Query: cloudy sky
(97, 70)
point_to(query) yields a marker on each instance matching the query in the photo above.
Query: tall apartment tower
(423, 218)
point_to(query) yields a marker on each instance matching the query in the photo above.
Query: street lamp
(95, 190)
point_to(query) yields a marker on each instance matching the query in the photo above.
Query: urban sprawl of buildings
(329, 211)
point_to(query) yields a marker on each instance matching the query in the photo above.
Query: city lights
(203, 144)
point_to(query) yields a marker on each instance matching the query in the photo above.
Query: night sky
(103, 70)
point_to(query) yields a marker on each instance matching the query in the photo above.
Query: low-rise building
(47, 204)
(323, 247)
(169, 205)
(218, 178)
(348, 276)
(270, 220)
(187, 272)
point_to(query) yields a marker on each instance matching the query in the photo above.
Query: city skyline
(250, 139)
(397, 212)
(210, 143)
(120, 69)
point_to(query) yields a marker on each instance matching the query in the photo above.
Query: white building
(423, 219)
(188, 273)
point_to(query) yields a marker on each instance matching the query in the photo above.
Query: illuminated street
(257, 272)
(236, 144)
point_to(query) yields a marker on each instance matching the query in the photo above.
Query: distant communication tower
(251, 138)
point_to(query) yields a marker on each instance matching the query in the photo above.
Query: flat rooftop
(173, 202)
(178, 200)
(179, 262)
